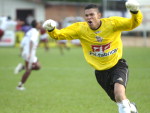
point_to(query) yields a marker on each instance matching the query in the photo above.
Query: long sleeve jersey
(103, 47)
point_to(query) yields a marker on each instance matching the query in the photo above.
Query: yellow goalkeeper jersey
(102, 47)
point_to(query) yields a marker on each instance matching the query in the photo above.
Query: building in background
(60, 10)
(20, 9)
(24, 10)
(42, 10)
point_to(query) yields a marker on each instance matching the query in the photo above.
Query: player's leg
(44, 39)
(35, 66)
(104, 80)
(124, 105)
(114, 85)
(66, 46)
(46, 44)
(19, 68)
(120, 78)
(60, 46)
(121, 99)
(24, 77)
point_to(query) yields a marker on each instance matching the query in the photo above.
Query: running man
(102, 46)
(29, 45)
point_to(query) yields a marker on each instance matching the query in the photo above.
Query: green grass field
(67, 84)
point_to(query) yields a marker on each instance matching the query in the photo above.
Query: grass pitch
(67, 84)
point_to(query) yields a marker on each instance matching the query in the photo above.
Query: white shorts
(25, 55)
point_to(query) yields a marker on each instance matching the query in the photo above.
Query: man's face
(92, 17)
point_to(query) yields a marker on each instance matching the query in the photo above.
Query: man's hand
(49, 25)
(132, 5)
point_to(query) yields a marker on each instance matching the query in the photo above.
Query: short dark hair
(91, 6)
(34, 23)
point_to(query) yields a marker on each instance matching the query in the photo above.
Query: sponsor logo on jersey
(99, 50)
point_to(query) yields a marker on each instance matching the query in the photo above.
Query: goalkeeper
(102, 46)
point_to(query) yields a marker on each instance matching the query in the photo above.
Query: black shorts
(117, 74)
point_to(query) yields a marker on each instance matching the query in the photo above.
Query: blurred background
(16, 15)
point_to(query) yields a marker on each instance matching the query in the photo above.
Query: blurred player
(102, 46)
(3, 21)
(62, 44)
(29, 45)
(1, 33)
(44, 38)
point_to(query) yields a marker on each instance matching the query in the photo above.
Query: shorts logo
(99, 50)
(120, 79)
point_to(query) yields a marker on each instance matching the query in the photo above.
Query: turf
(66, 83)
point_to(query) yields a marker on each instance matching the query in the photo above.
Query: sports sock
(25, 76)
(20, 84)
(124, 106)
